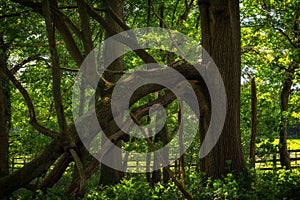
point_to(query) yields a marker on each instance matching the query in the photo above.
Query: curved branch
(33, 121)
(276, 28)
(18, 66)
(286, 36)
(188, 7)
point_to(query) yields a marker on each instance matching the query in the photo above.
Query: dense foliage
(270, 45)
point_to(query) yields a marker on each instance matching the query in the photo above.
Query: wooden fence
(266, 163)
(19, 162)
(273, 161)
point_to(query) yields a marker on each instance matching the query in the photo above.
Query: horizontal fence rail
(263, 163)
(273, 161)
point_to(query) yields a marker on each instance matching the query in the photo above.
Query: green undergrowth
(267, 185)
(281, 184)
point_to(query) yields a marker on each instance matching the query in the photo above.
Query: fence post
(13, 165)
(275, 160)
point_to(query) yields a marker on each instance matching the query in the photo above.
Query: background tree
(272, 41)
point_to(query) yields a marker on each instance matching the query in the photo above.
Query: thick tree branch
(55, 149)
(35, 168)
(56, 172)
(71, 25)
(164, 100)
(117, 19)
(80, 169)
(85, 26)
(29, 3)
(69, 40)
(49, 10)
(130, 42)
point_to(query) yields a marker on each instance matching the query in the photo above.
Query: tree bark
(221, 39)
(56, 173)
(254, 120)
(108, 175)
(4, 112)
(284, 106)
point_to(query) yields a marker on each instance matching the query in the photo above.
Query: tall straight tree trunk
(4, 113)
(4, 125)
(220, 28)
(108, 175)
(284, 105)
(253, 121)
